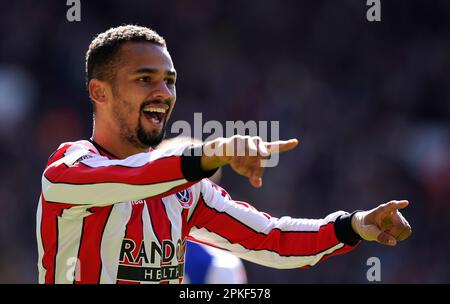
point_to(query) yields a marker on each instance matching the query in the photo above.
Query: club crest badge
(185, 198)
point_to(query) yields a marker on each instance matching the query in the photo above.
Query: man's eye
(170, 81)
(144, 79)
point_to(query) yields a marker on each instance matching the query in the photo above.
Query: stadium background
(370, 103)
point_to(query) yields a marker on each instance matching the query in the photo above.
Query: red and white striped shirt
(107, 220)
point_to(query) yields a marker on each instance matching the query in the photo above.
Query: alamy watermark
(374, 12)
(268, 131)
(373, 274)
(74, 11)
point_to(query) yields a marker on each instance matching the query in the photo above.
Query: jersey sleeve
(77, 174)
(256, 236)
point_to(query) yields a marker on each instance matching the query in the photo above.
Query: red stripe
(222, 191)
(184, 235)
(49, 235)
(58, 154)
(134, 231)
(282, 242)
(160, 223)
(161, 170)
(184, 224)
(91, 238)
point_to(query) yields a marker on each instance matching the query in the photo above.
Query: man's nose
(163, 92)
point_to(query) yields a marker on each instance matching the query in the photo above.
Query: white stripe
(262, 257)
(196, 190)
(78, 145)
(103, 194)
(289, 224)
(69, 238)
(112, 241)
(255, 219)
(133, 161)
(272, 259)
(41, 268)
(68, 159)
(82, 147)
(148, 237)
(173, 210)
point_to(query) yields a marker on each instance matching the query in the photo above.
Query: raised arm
(244, 154)
(76, 174)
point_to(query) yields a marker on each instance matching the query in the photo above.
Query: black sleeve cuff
(191, 164)
(344, 230)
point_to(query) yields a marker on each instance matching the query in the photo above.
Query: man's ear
(98, 91)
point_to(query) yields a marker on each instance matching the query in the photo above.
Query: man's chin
(150, 139)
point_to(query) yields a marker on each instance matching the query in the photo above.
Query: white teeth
(153, 109)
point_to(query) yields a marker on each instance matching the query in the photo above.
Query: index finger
(280, 146)
(394, 205)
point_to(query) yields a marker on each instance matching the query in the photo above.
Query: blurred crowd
(370, 103)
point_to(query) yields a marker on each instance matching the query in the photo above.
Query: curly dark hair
(102, 57)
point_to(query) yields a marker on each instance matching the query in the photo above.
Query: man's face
(143, 93)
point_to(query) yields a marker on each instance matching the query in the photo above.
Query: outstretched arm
(77, 174)
(288, 242)
(256, 236)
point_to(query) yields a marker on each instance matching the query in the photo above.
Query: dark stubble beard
(149, 139)
(137, 137)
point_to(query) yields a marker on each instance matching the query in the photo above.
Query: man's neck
(115, 146)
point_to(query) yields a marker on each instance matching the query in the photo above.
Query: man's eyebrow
(153, 71)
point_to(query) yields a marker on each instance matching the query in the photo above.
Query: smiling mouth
(156, 113)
